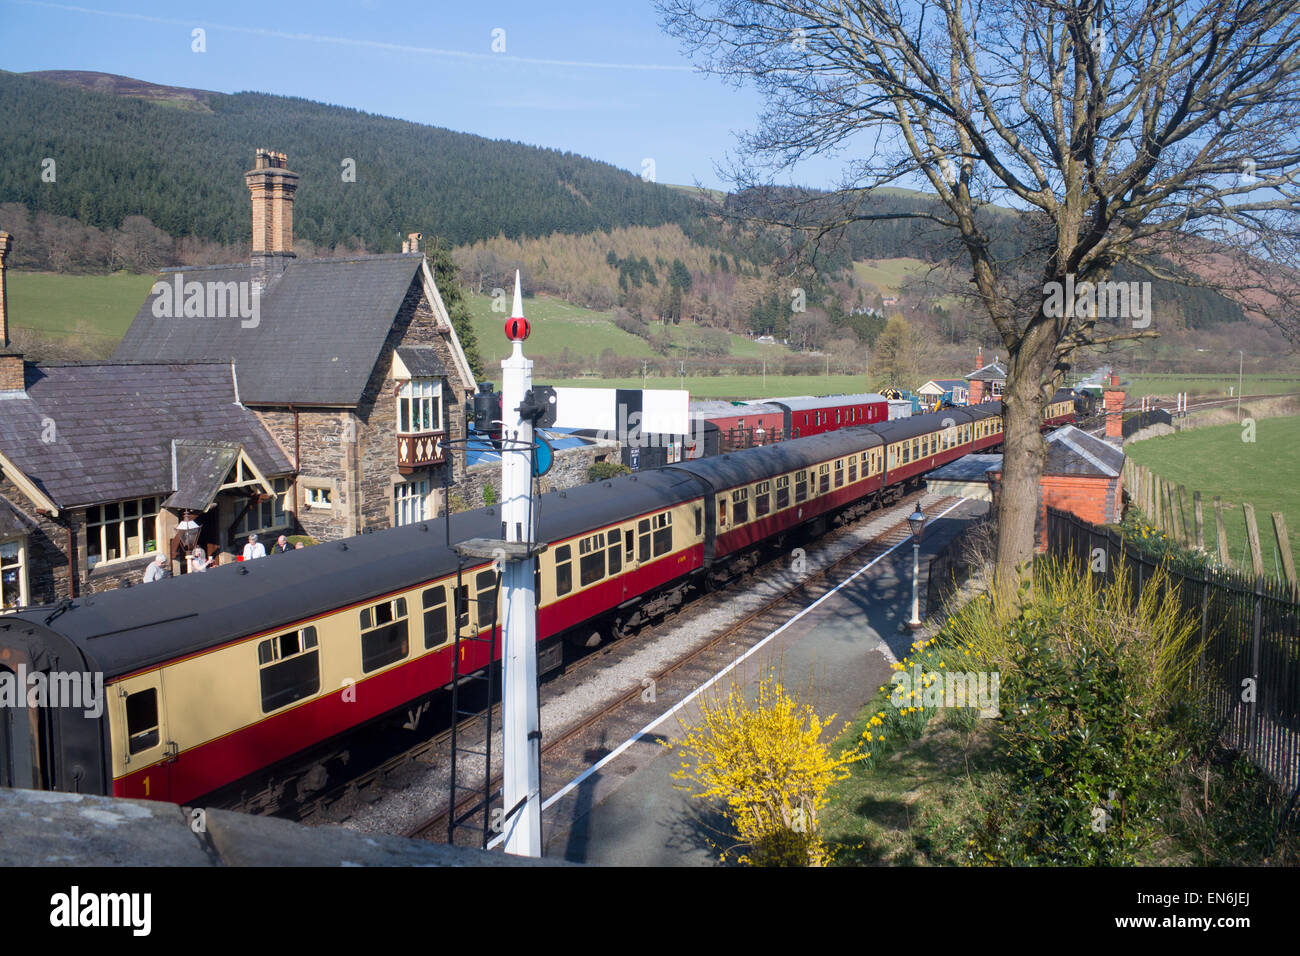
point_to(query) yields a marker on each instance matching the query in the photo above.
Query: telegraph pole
(521, 732)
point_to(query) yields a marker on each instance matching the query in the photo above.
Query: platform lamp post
(917, 521)
(188, 529)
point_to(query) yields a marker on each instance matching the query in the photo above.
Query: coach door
(141, 745)
(24, 741)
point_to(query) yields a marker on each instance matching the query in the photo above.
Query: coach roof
(759, 464)
(139, 627)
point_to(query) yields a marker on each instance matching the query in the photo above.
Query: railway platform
(839, 650)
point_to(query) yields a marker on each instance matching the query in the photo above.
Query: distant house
(953, 390)
(987, 381)
(351, 363)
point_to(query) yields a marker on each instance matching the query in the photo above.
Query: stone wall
(569, 470)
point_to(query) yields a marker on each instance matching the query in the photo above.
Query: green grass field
(888, 274)
(1165, 384)
(1216, 461)
(729, 386)
(557, 325)
(95, 310)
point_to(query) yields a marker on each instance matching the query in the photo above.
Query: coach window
(383, 634)
(853, 468)
(783, 492)
(627, 541)
(722, 511)
(699, 522)
(563, 569)
(142, 720)
(434, 602)
(866, 463)
(615, 552)
(290, 668)
(740, 505)
(837, 416)
(486, 583)
(663, 533)
(800, 486)
(644, 537)
(825, 474)
(591, 559)
(762, 498)
(839, 472)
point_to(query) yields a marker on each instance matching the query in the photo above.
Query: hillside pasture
(1217, 461)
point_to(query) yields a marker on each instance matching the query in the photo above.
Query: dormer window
(419, 406)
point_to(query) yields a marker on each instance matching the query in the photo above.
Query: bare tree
(1152, 133)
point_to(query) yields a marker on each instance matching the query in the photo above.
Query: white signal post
(521, 732)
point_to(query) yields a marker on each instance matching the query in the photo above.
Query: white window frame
(100, 528)
(17, 564)
(312, 491)
(422, 395)
(411, 502)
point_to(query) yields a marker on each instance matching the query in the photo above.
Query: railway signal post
(521, 730)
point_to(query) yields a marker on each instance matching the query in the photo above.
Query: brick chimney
(11, 362)
(412, 242)
(272, 186)
(1112, 402)
(979, 357)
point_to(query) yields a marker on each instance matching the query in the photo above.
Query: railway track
(572, 752)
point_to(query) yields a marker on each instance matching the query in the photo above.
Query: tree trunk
(1023, 453)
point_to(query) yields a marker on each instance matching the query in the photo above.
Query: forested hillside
(118, 156)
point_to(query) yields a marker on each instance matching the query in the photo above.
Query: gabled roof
(97, 432)
(1074, 452)
(945, 384)
(993, 372)
(200, 468)
(320, 328)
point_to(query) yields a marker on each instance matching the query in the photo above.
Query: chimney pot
(6, 243)
(413, 242)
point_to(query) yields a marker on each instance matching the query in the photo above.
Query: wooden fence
(1166, 506)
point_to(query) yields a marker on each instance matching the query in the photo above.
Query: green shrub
(1093, 697)
(489, 495)
(1142, 535)
(603, 470)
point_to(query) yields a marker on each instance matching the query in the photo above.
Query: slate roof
(966, 468)
(114, 425)
(421, 361)
(12, 519)
(319, 331)
(1074, 452)
(993, 372)
(201, 467)
(710, 408)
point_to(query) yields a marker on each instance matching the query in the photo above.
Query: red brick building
(1082, 475)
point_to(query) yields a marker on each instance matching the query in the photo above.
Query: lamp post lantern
(917, 521)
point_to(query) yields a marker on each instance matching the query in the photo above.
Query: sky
(596, 78)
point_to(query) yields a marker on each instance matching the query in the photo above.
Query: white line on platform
(577, 781)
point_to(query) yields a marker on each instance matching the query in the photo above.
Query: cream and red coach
(213, 677)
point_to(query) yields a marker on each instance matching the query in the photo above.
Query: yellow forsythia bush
(764, 760)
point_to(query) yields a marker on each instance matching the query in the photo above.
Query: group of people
(198, 560)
